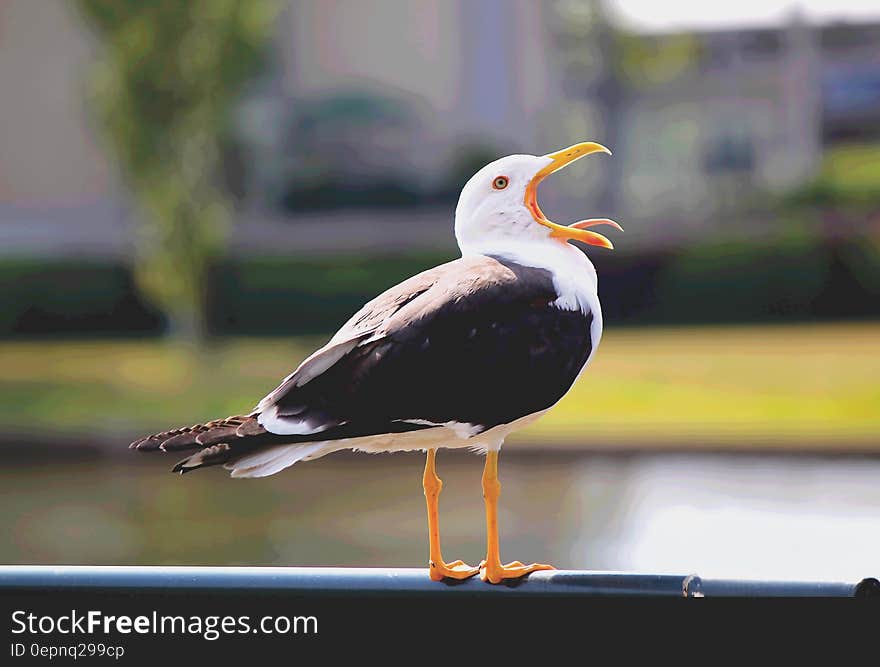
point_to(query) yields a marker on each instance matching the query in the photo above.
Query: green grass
(853, 170)
(798, 386)
(795, 386)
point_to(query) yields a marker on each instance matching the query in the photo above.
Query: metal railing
(408, 582)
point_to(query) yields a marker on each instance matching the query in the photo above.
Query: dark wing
(475, 341)
(223, 440)
(360, 327)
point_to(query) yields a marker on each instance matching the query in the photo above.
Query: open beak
(577, 231)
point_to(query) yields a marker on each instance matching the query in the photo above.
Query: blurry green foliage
(844, 200)
(734, 279)
(591, 39)
(800, 277)
(310, 296)
(849, 178)
(163, 88)
(95, 298)
(792, 279)
(655, 61)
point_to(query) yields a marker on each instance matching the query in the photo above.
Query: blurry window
(729, 152)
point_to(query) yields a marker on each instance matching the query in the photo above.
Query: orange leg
(439, 570)
(492, 569)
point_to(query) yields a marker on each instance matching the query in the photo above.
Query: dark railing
(408, 582)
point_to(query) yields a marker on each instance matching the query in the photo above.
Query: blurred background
(195, 195)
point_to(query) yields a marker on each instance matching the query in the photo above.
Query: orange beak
(576, 231)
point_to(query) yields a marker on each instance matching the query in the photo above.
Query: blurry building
(751, 111)
(742, 114)
(362, 92)
(701, 124)
(851, 83)
(391, 104)
(47, 152)
(57, 191)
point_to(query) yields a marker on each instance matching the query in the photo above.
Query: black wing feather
(483, 344)
(478, 340)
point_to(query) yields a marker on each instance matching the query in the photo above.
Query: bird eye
(500, 182)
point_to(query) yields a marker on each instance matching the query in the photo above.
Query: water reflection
(750, 517)
(718, 515)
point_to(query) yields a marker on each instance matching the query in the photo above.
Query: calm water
(717, 515)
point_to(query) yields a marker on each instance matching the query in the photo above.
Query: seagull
(458, 356)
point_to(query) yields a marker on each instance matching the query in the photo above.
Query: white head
(499, 203)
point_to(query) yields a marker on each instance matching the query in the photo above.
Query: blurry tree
(164, 88)
(603, 66)
(845, 198)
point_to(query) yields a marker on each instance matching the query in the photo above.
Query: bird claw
(513, 570)
(457, 569)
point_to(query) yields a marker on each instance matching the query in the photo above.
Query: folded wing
(471, 344)
(476, 341)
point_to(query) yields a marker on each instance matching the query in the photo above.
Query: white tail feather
(269, 461)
